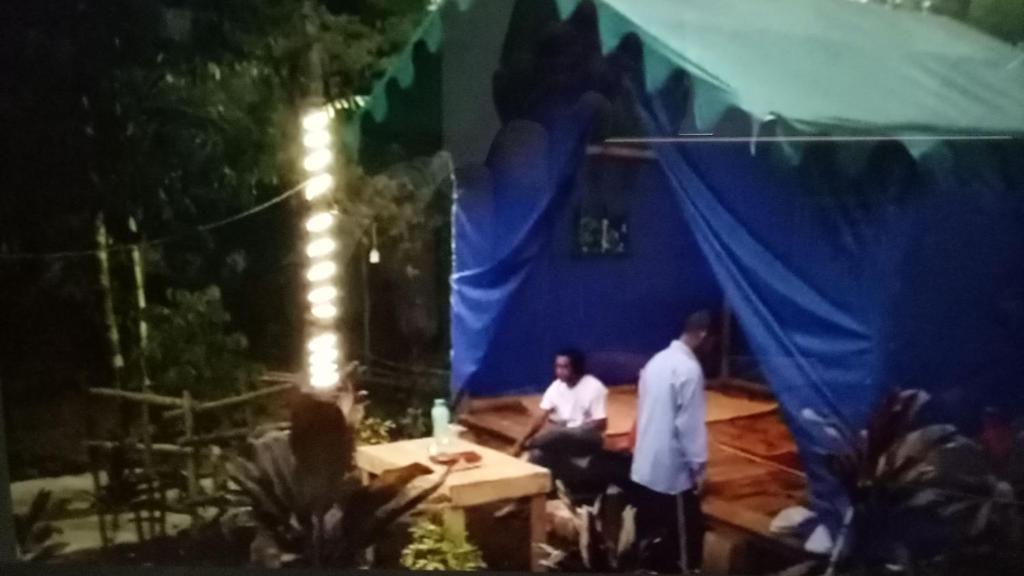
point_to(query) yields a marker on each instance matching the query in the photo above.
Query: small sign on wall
(601, 235)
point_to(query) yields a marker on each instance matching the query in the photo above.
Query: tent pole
(723, 373)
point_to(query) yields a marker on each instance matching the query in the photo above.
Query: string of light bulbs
(323, 342)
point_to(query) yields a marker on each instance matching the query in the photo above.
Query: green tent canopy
(830, 67)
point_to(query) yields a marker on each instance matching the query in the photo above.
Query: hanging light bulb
(374, 252)
(320, 247)
(316, 120)
(316, 139)
(319, 185)
(318, 160)
(322, 295)
(319, 222)
(321, 271)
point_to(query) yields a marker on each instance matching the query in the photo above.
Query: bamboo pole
(147, 430)
(726, 340)
(171, 449)
(234, 400)
(140, 397)
(232, 434)
(365, 269)
(110, 318)
(192, 464)
(97, 489)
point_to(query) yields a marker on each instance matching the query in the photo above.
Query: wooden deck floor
(753, 468)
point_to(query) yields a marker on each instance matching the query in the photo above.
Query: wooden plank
(158, 448)
(144, 398)
(720, 511)
(510, 417)
(235, 400)
(499, 477)
(538, 531)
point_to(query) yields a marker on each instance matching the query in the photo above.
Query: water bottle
(440, 420)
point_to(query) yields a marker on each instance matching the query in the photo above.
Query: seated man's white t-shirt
(574, 406)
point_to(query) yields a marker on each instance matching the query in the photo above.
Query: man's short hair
(698, 322)
(577, 361)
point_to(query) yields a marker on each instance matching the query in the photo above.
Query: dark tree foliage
(175, 113)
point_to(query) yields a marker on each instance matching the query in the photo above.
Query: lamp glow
(321, 271)
(320, 247)
(318, 160)
(322, 295)
(374, 256)
(319, 185)
(324, 354)
(323, 358)
(324, 380)
(319, 222)
(316, 120)
(324, 311)
(325, 341)
(316, 139)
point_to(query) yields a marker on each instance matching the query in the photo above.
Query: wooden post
(726, 340)
(8, 543)
(193, 461)
(97, 490)
(110, 318)
(454, 523)
(147, 432)
(538, 530)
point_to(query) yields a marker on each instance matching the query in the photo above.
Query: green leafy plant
(893, 472)
(605, 537)
(302, 492)
(432, 549)
(373, 430)
(34, 532)
(192, 346)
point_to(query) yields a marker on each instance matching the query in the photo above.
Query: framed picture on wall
(600, 235)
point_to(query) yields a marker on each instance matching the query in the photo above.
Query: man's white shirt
(573, 406)
(671, 449)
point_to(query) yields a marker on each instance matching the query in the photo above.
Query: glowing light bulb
(374, 256)
(324, 311)
(325, 341)
(318, 160)
(324, 357)
(321, 247)
(316, 120)
(319, 222)
(316, 139)
(319, 185)
(324, 380)
(321, 271)
(323, 294)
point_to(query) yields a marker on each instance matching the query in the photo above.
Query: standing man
(671, 451)
(573, 419)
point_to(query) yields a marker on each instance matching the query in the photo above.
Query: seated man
(574, 417)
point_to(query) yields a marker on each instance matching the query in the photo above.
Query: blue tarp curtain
(852, 268)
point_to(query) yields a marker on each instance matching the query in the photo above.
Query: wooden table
(499, 477)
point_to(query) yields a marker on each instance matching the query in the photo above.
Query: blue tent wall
(849, 286)
(846, 280)
(623, 306)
